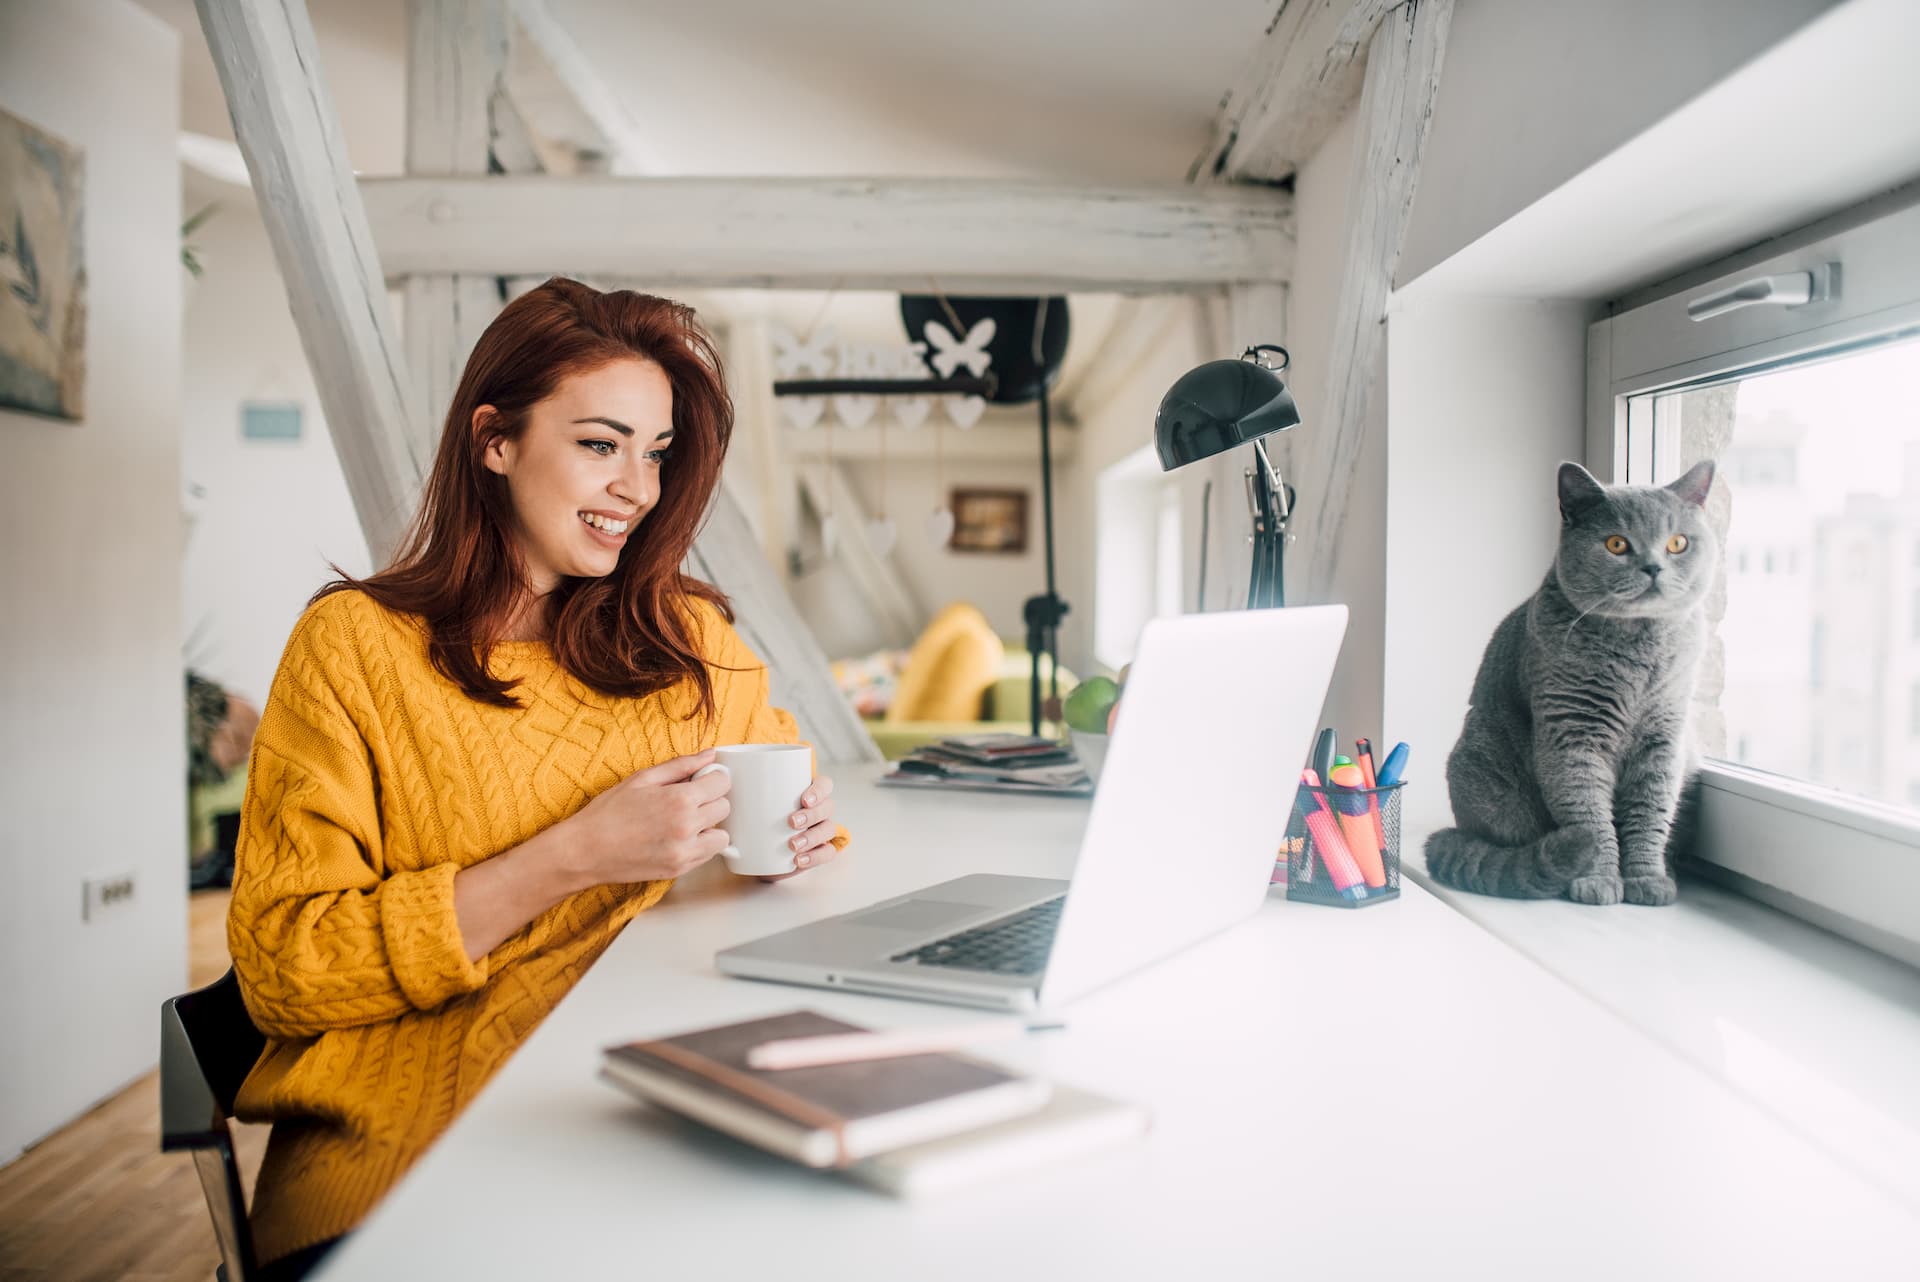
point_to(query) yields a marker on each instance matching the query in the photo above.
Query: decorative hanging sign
(820, 357)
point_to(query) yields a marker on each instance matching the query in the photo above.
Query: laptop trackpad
(918, 914)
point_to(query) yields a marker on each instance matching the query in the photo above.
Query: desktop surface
(1387, 1093)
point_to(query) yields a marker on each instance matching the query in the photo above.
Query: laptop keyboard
(1016, 945)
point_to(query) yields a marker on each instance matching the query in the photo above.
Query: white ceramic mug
(768, 781)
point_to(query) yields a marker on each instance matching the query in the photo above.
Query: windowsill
(1821, 1032)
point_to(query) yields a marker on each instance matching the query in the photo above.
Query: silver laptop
(1220, 713)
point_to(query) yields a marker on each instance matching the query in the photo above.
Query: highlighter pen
(1304, 807)
(1363, 757)
(1394, 766)
(1347, 878)
(1356, 824)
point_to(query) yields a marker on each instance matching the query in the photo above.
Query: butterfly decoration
(811, 357)
(951, 354)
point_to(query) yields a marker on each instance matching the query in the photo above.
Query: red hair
(629, 633)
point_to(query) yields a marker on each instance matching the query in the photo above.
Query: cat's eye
(1677, 544)
(1617, 545)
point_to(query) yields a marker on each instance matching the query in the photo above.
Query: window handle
(1789, 289)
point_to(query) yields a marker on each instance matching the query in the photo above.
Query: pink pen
(1325, 831)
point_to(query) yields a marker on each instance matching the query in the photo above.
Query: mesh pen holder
(1337, 852)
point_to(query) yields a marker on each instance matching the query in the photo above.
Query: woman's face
(586, 470)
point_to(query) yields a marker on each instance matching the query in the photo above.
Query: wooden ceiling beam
(969, 236)
(289, 132)
(1303, 79)
(456, 67)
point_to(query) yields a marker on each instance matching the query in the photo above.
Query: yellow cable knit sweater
(373, 781)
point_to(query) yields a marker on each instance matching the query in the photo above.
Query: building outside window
(1809, 401)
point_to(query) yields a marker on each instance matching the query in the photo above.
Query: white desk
(1389, 1092)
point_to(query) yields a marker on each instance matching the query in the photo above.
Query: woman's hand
(655, 824)
(813, 842)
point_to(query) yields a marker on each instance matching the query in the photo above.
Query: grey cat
(1569, 770)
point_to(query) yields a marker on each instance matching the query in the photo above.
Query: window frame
(1760, 831)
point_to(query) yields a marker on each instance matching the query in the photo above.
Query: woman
(476, 766)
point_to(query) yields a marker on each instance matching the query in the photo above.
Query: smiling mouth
(605, 524)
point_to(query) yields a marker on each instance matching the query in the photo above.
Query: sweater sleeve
(765, 723)
(323, 936)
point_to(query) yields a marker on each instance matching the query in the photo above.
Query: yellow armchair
(960, 678)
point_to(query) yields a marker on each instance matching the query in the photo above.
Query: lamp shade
(1018, 375)
(1218, 406)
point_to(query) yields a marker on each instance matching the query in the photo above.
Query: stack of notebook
(994, 763)
(909, 1125)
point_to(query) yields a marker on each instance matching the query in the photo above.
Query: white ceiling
(1117, 90)
(1094, 90)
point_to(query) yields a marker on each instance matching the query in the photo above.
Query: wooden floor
(99, 1199)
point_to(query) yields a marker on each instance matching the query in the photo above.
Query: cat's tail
(1541, 869)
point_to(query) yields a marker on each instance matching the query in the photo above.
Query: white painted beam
(1403, 74)
(727, 556)
(970, 236)
(289, 132)
(456, 63)
(1303, 79)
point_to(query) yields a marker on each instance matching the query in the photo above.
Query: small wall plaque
(270, 421)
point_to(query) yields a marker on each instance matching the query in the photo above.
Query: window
(1811, 413)
(1841, 468)
(1139, 550)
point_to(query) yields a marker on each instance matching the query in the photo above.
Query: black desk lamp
(1219, 406)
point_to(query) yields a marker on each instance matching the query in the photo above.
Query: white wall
(92, 740)
(1487, 397)
(997, 582)
(274, 512)
(1532, 92)
(1117, 424)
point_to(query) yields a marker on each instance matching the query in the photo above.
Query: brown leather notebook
(829, 1115)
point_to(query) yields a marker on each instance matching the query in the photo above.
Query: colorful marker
(1304, 807)
(1325, 831)
(1363, 757)
(1394, 766)
(1356, 824)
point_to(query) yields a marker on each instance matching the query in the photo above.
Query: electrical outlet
(99, 894)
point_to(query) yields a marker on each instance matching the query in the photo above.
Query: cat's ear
(1694, 485)
(1577, 490)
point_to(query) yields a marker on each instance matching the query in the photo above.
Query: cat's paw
(1602, 889)
(1655, 890)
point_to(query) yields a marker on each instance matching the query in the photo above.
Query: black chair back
(208, 1045)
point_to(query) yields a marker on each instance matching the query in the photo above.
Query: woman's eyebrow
(621, 428)
(617, 426)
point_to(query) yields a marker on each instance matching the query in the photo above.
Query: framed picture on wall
(43, 305)
(989, 521)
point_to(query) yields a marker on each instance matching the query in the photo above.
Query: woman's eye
(659, 456)
(1677, 544)
(1617, 545)
(602, 448)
